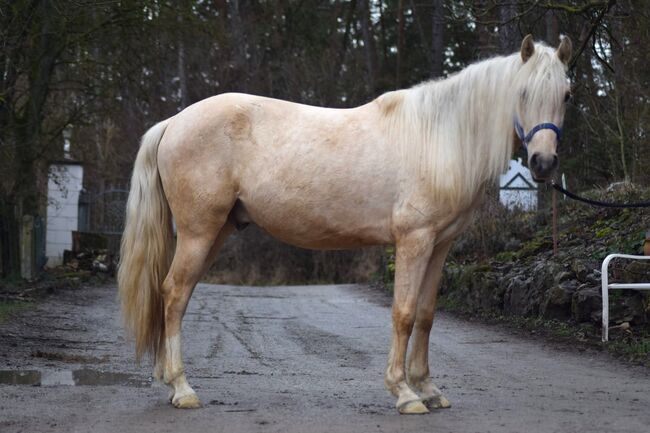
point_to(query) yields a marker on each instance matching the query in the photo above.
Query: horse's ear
(565, 49)
(527, 48)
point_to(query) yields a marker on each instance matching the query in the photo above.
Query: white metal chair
(607, 286)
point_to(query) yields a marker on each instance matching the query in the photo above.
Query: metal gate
(104, 214)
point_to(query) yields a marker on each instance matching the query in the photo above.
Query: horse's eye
(567, 96)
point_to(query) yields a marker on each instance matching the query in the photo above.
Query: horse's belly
(333, 225)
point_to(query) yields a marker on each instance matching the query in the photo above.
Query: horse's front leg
(413, 253)
(418, 366)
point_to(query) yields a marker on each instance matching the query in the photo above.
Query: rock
(627, 307)
(635, 271)
(620, 331)
(521, 297)
(557, 302)
(580, 270)
(563, 276)
(594, 278)
(483, 289)
(586, 304)
(513, 244)
(623, 326)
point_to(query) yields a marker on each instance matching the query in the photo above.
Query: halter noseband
(525, 138)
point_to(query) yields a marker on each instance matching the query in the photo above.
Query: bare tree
(369, 45)
(437, 38)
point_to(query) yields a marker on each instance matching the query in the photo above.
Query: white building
(517, 188)
(65, 182)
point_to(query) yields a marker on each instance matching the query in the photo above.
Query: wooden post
(554, 222)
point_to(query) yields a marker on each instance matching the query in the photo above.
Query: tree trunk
(24, 140)
(618, 58)
(238, 43)
(346, 34)
(10, 252)
(508, 38)
(485, 46)
(368, 45)
(437, 38)
(552, 29)
(384, 41)
(182, 77)
(400, 43)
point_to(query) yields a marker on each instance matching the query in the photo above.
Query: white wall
(65, 181)
(524, 194)
(524, 200)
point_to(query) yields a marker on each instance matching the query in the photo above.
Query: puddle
(64, 357)
(103, 378)
(27, 377)
(83, 377)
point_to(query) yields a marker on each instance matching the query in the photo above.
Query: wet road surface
(298, 359)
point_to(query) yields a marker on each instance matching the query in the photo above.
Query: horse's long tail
(146, 250)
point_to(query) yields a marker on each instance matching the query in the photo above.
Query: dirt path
(298, 359)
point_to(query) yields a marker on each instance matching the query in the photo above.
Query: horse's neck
(467, 121)
(481, 96)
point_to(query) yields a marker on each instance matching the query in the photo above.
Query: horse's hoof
(414, 407)
(438, 402)
(188, 401)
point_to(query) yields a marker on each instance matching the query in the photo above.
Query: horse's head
(542, 90)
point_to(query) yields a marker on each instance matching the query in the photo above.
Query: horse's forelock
(543, 79)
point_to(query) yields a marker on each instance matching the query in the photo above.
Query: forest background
(85, 79)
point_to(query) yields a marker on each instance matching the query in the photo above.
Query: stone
(558, 300)
(628, 307)
(636, 271)
(580, 270)
(586, 304)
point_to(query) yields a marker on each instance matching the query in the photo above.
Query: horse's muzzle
(543, 166)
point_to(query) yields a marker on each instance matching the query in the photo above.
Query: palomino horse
(407, 169)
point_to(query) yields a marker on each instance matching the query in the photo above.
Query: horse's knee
(403, 320)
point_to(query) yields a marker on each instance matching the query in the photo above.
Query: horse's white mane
(457, 133)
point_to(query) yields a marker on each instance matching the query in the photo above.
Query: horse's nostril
(543, 164)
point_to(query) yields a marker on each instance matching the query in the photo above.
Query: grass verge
(632, 345)
(8, 308)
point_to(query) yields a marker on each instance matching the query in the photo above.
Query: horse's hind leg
(418, 365)
(195, 252)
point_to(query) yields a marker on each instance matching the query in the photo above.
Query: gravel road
(298, 359)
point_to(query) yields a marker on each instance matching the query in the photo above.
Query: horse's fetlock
(170, 376)
(417, 378)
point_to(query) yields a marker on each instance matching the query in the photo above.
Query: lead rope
(596, 202)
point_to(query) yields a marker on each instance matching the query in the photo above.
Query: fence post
(27, 247)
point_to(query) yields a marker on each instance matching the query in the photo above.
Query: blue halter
(525, 138)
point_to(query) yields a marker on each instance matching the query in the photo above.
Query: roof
(517, 177)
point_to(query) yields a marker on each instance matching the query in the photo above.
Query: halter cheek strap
(526, 138)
